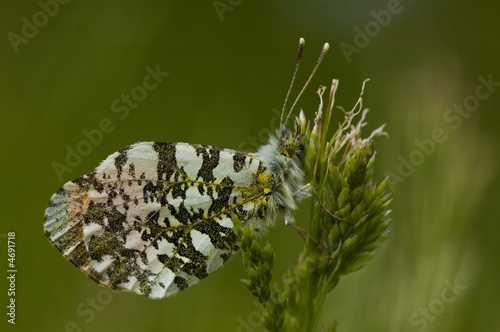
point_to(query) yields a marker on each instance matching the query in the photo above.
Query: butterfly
(155, 218)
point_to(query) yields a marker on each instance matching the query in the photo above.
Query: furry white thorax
(286, 170)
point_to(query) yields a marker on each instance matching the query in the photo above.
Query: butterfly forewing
(155, 218)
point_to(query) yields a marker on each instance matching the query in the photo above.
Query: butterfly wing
(155, 218)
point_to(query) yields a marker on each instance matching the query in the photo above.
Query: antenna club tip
(326, 47)
(302, 41)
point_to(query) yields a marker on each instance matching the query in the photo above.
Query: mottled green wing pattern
(155, 218)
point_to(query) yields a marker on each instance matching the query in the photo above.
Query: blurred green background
(229, 65)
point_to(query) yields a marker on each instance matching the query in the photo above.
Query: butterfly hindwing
(155, 218)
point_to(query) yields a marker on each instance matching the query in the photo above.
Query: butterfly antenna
(299, 57)
(320, 59)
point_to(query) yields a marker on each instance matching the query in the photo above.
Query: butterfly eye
(288, 147)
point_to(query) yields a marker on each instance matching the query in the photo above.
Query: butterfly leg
(326, 210)
(304, 191)
(305, 235)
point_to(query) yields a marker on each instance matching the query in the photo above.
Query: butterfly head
(289, 144)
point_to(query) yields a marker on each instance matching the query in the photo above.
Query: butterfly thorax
(282, 156)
